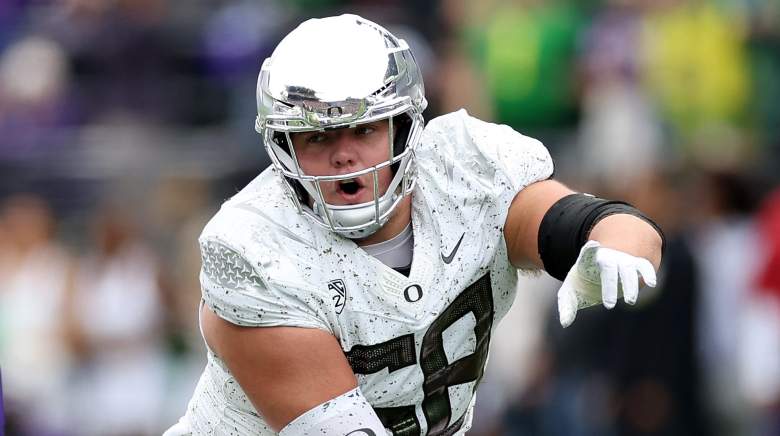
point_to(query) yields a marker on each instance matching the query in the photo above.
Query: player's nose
(345, 152)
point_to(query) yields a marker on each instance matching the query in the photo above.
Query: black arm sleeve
(566, 227)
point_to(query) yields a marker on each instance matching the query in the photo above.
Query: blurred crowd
(125, 123)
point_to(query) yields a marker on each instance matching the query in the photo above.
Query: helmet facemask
(353, 220)
(372, 77)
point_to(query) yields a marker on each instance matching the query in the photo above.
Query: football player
(352, 287)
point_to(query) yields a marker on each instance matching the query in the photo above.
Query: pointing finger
(648, 272)
(629, 282)
(609, 282)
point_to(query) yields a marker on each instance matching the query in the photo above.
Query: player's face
(343, 151)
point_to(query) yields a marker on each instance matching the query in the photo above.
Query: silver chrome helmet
(308, 85)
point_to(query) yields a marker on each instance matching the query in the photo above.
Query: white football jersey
(418, 344)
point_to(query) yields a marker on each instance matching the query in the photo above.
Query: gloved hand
(594, 278)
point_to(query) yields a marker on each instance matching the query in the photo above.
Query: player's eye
(316, 138)
(364, 130)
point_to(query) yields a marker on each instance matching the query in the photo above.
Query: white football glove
(594, 278)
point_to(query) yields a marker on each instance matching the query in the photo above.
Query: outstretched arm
(597, 249)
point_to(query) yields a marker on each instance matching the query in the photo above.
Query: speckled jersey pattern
(418, 344)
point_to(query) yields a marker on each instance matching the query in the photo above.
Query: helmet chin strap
(357, 214)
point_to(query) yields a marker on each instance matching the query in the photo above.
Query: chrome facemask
(302, 87)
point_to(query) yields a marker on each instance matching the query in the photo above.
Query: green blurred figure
(526, 50)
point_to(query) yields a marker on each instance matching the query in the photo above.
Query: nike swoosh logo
(448, 259)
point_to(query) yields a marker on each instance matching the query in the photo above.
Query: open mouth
(349, 187)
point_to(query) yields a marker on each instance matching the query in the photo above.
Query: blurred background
(124, 124)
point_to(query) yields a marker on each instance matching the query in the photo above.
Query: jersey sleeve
(493, 158)
(522, 160)
(471, 170)
(237, 292)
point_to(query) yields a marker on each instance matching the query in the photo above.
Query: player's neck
(397, 223)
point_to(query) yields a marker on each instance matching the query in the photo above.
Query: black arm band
(566, 227)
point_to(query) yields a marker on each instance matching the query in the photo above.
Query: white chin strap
(354, 215)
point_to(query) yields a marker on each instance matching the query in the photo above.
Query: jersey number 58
(438, 373)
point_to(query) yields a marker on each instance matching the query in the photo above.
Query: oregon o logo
(413, 293)
(335, 111)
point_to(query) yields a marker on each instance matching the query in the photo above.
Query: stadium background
(125, 123)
